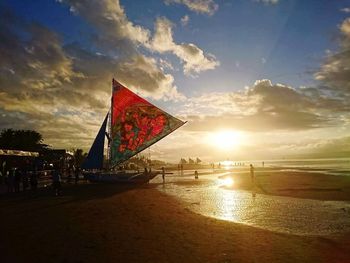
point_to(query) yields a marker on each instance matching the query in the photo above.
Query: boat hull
(119, 177)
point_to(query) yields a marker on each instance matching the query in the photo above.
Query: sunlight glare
(227, 163)
(228, 181)
(226, 140)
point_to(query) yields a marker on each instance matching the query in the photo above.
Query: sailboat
(131, 125)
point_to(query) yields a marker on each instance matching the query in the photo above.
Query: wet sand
(109, 223)
(305, 184)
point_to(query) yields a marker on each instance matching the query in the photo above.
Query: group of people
(24, 178)
(17, 179)
(163, 174)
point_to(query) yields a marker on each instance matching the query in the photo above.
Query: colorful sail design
(135, 124)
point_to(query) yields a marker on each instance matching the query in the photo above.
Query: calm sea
(335, 166)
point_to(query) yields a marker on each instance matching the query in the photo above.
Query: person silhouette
(56, 180)
(163, 174)
(252, 175)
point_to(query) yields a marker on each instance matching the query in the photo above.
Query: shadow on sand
(45, 198)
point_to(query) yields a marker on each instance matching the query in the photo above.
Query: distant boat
(131, 125)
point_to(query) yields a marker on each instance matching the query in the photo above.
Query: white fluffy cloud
(116, 31)
(109, 17)
(192, 56)
(345, 9)
(184, 20)
(335, 71)
(273, 2)
(199, 6)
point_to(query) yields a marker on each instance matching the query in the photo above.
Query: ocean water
(334, 166)
(209, 197)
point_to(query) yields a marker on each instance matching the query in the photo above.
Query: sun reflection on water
(227, 207)
(214, 197)
(228, 182)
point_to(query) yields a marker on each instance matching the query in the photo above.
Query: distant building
(61, 157)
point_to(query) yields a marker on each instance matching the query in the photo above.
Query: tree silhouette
(79, 157)
(26, 140)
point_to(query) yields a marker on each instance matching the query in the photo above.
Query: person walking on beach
(76, 174)
(163, 174)
(252, 175)
(17, 179)
(196, 174)
(25, 179)
(33, 180)
(10, 181)
(56, 181)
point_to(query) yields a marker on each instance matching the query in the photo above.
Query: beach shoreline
(109, 223)
(306, 184)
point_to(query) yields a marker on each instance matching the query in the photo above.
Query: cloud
(192, 56)
(184, 20)
(116, 32)
(268, 2)
(345, 10)
(335, 71)
(262, 107)
(63, 90)
(40, 68)
(208, 7)
(109, 18)
(146, 74)
(339, 147)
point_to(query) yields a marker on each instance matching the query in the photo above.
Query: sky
(254, 79)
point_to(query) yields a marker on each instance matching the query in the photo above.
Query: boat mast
(110, 130)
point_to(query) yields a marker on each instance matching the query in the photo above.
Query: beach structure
(132, 125)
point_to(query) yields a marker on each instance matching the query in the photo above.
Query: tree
(25, 140)
(79, 157)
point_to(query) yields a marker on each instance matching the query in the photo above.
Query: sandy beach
(109, 223)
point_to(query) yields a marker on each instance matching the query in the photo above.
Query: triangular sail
(94, 160)
(135, 124)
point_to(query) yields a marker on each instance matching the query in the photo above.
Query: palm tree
(25, 140)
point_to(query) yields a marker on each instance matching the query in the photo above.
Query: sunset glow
(175, 131)
(247, 97)
(226, 140)
(228, 181)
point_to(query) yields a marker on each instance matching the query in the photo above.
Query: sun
(226, 140)
(227, 182)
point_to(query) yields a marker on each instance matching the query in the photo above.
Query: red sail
(136, 124)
